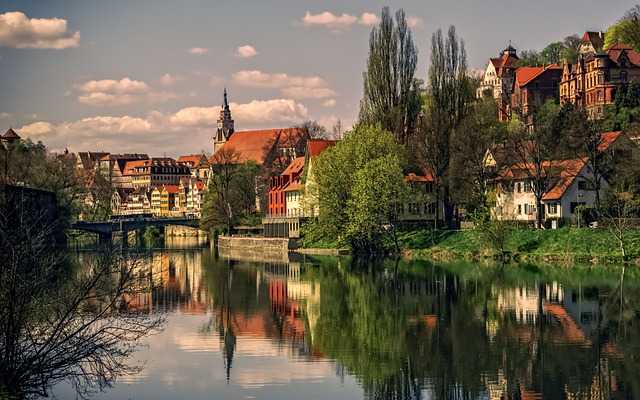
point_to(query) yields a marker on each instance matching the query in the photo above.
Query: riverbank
(559, 246)
(566, 245)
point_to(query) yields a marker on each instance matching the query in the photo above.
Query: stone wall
(254, 248)
(183, 231)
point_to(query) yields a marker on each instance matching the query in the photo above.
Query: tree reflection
(64, 322)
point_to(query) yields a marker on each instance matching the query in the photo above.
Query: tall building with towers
(225, 125)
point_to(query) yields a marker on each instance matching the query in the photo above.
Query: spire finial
(226, 103)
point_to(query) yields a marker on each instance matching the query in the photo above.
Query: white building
(569, 186)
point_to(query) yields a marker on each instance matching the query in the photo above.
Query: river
(329, 328)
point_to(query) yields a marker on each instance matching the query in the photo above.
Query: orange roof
(525, 75)
(427, 177)
(607, 139)
(296, 166)
(256, 145)
(614, 52)
(130, 166)
(193, 160)
(568, 171)
(199, 184)
(317, 146)
(292, 187)
(562, 174)
(171, 188)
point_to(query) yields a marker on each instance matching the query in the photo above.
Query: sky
(148, 75)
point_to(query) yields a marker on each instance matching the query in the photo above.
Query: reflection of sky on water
(186, 359)
(283, 325)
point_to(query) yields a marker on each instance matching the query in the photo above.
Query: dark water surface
(329, 328)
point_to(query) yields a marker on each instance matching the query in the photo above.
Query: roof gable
(257, 144)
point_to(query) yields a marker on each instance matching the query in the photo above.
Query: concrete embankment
(259, 247)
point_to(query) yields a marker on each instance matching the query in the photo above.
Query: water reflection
(331, 328)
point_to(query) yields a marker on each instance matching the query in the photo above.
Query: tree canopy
(391, 93)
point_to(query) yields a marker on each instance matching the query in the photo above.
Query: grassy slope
(560, 242)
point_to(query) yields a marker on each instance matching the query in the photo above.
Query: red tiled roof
(130, 166)
(256, 145)
(607, 139)
(193, 160)
(292, 187)
(595, 38)
(295, 167)
(569, 170)
(317, 146)
(199, 185)
(427, 177)
(171, 188)
(615, 51)
(524, 75)
(10, 134)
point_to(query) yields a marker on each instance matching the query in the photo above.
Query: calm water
(328, 329)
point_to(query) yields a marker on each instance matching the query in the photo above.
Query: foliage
(391, 94)
(350, 205)
(64, 325)
(32, 165)
(377, 197)
(621, 211)
(232, 191)
(449, 94)
(478, 132)
(492, 233)
(553, 53)
(625, 31)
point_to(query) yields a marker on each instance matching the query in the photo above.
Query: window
(428, 188)
(583, 185)
(623, 76)
(526, 209)
(552, 208)
(527, 186)
(518, 187)
(519, 209)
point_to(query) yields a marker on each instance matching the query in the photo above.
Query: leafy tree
(31, 164)
(529, 58)
(449, 94)
(232, 191)
(626, 30)
(479, 131)
(553, 53)
(620, 210)
(375, 205)
(358, 187)
(533, 150)
(391, 94)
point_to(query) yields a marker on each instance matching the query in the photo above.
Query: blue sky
(148, 75)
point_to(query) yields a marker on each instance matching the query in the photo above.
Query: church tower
(225, 125)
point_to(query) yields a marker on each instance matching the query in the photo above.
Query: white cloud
(329, 103)
(19, 31)
(414, 22)
(368, 19)
(297, 87)
(112, 92)
(246, 51)
(338, 23)
(161, 132)
(329, 20)
(4, 115)
(198, 51)
(304, 92)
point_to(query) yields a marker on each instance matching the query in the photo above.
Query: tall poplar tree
(449, 95)
(391, 94)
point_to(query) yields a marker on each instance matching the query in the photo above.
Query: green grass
(574, 242)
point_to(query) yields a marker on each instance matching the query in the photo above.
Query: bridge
(105, 229)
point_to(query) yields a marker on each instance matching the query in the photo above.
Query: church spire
(225, 124)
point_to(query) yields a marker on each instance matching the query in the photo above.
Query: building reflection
(401, 334)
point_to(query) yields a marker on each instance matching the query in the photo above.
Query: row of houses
(140, 184)
(591, 82)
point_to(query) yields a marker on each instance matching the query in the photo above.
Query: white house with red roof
(569, 186)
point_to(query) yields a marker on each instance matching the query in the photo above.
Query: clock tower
(225, 125)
